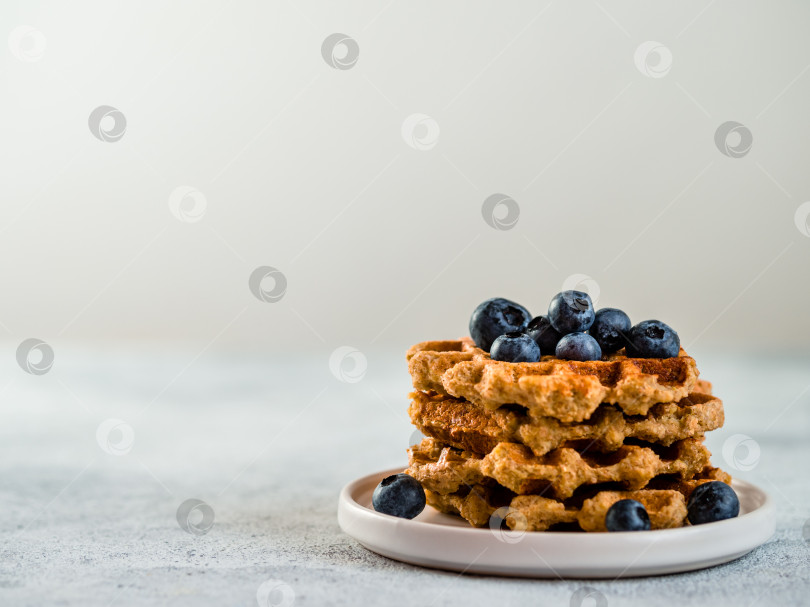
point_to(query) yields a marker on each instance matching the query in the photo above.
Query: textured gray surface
(268, 443)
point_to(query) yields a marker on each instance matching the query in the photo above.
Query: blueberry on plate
(712, 501)
(609, 328)
(627, 515)
(493, 318)
(515, 347)
(399, 495)
(546, 336)
(571, 312)
(652, 339)
(578, 346)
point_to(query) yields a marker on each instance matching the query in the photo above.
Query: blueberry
(399, 495)
(627, 515)
(578, 346)
(652, 339)
(571, 312)
(546, 336)
(515, 348)
(493, 318)
(712, 501)
(609, 328)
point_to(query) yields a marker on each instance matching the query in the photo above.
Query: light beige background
(303, 167)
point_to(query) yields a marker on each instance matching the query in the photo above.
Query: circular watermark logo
(340, 51)
(514, 531)
(275, 593)
(500, 212)
(590, 594)
(802, 218)
(115, 437)
(741, 452)
(107, 123)
(733, 139)
(420, 132)
(195, 517)
(27, 44)
(584, 283)
(258, 284)
(348, 364)
(35, 356)
(187, 204)
(653, 59)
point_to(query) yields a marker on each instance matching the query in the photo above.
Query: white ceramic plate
(439, 540)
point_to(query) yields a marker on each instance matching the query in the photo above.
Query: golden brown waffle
(703, 387)
(556, 474)
(567, 390)
(469, 427)
(665, 505)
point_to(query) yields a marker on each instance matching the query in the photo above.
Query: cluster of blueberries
(403, 496)
(572, 330)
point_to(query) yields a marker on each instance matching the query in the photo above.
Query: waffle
(469, 427)
(566, 390)
(665, 505)
(558, 474)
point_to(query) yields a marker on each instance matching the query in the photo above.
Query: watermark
(35, 356)
(340, 51)
(348, 364)
(802, 218)
(584, 283)
(27, 44)
(275, 593)
(508, 524)
(587, 593)
(187, 204)
(195, 517)
(258, 284)
(733, 139)
(653, 59)
(806, 531)
(115, 437)
(500, 212)
(107, 123)
(420, 132)
(741, 452)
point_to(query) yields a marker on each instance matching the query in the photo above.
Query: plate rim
(762, 517)
(346, 496)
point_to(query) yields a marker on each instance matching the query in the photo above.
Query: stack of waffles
(553, 444)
